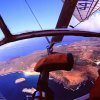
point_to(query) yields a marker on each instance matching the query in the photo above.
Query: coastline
(10, 73)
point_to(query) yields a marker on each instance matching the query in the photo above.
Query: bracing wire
(75, 25)
(36, 19)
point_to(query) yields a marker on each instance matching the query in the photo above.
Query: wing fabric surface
(85, 8)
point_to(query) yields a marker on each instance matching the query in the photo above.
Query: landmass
(87, 62)
(19, 80)
(29, 90)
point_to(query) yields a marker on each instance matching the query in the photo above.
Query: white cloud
(92, 24)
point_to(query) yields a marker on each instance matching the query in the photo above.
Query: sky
(18, 18)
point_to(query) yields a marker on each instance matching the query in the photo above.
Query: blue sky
(18, 18)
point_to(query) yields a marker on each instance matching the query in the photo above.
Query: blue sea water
(12, 91)
(28, 46)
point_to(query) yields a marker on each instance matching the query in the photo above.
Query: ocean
(28, 46)
(12, 91)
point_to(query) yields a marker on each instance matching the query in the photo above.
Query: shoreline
(11, 73)
(72, 87)
(25, 73)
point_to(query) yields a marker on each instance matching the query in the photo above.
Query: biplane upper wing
(85, 8)
(81, 9)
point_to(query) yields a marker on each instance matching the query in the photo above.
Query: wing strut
(63, 21)
(4, 28)
(64, 18)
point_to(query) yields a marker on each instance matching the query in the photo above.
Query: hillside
(87, 61)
